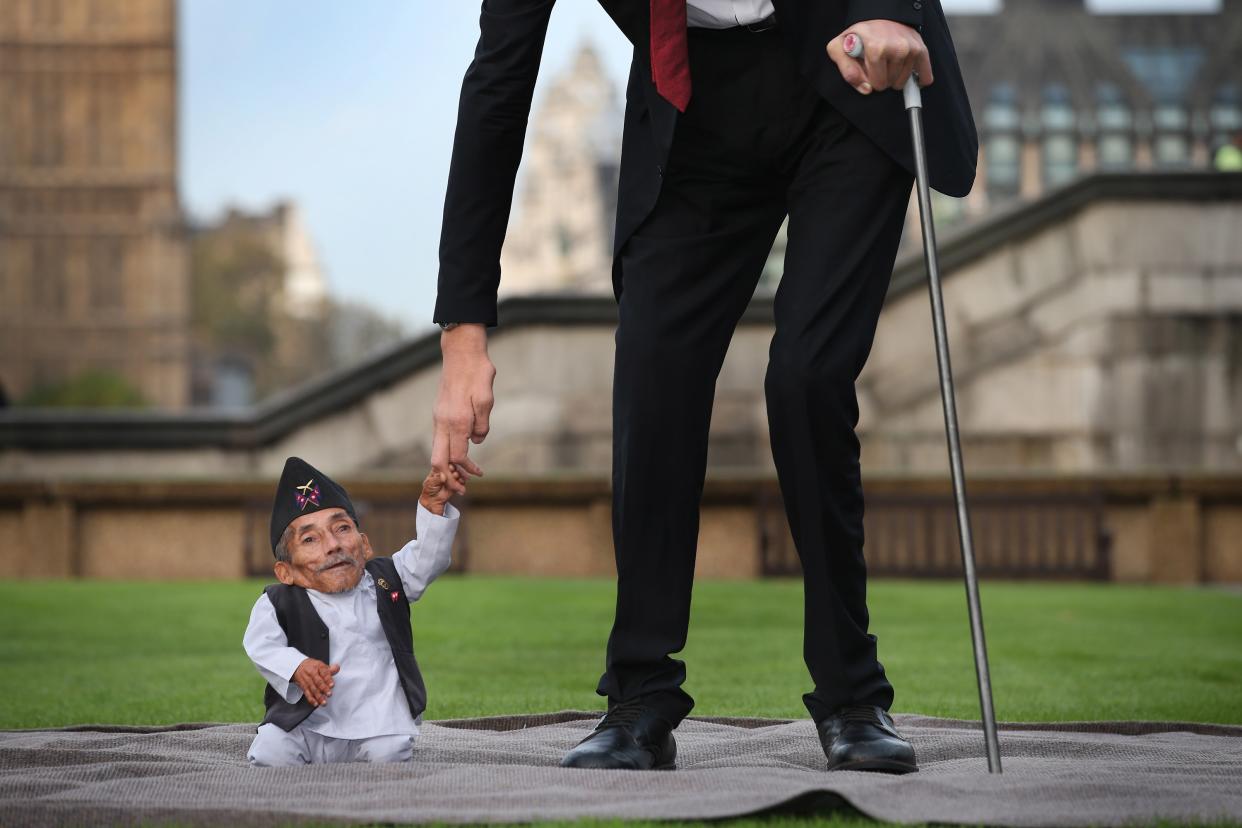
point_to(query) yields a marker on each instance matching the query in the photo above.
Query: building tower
(560, 238)
(93, 274)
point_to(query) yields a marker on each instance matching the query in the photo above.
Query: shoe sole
(881, 765)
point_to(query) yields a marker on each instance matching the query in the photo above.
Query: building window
(105, 15)
(1115, 145)
(1001, 112)
(564, 241)
(1001, 117)
(1116, 152)
(1172, 151)
(1060, 141)
(45, 14)
(1165, 71)
(1060, 157)
(1057, 114)
(1225, 116)
(105, 125)
(1003, 156)
(47, 275)
(1002, 150)
(1169, 118)
(1112, 112)
(1171, 147)
(47, 108)
(1114, 116)
(105, 262)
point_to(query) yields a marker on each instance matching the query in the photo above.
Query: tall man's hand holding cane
(896, 52)
(902, 62)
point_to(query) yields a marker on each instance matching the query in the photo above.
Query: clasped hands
(315, 679)
(891, 51)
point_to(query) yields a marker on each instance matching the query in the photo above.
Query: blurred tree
(1229, 156)
(234, 282)
(356, 331)
(257, 326)
(90, 389)
(238, 312)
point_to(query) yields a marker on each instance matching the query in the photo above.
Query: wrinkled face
(326, 552)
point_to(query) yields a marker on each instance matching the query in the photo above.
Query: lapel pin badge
(308, 493)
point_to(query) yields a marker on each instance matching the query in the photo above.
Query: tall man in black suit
(738, 113)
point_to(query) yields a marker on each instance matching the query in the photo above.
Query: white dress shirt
(367, 699)
(725, 14)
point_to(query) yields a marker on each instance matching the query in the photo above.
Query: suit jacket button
(659, 169)
(918, 6)
(323, 635)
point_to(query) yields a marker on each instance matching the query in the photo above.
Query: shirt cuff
(284, 664)
(292, 694)
(430, 527)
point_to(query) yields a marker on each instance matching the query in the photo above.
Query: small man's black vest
(306, 632)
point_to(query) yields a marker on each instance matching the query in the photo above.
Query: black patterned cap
(304, 489)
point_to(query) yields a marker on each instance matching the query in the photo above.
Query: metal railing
(1044, 536)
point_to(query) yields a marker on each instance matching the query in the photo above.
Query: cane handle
(914, 98)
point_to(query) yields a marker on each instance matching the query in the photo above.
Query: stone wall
(1106, 342)
(1109, 343)
(1153, 529)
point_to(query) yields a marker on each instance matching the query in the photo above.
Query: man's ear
(366, 546)
(284, 572)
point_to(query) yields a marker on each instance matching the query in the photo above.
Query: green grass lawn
(153, 653)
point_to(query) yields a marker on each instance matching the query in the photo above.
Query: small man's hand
(437, 491)
(315, 679)
(891, 51)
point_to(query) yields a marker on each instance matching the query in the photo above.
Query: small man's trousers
(275, 748)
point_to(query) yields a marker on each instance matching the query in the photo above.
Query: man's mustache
(336, 558)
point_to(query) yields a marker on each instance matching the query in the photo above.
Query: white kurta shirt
(725, 14)
(367, 699)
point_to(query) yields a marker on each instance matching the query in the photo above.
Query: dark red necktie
(670, 59)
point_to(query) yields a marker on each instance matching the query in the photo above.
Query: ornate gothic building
(560, 238)
(93, 274)
(1057, 91)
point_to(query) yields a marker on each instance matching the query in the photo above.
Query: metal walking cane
(914, 105)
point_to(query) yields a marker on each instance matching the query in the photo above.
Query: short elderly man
(333, 637)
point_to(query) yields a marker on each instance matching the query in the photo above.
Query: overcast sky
(349, 109)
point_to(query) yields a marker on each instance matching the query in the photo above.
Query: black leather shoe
(864, 738)
(629, 737)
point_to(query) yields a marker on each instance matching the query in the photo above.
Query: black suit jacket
(496, 98)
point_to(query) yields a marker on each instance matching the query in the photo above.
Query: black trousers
(756, 143)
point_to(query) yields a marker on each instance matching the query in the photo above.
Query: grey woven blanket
(505, 769)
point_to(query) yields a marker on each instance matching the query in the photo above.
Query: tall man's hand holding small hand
(437, 491)
(891, 51)
(463, 404)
